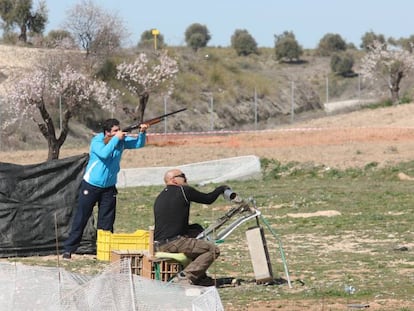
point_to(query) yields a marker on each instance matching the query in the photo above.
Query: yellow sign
(155, 33)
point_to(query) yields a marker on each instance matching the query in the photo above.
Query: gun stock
(149, 122)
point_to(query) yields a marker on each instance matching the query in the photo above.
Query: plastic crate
(164, 270)
(135, 257)
(148, 267)
(108, 241)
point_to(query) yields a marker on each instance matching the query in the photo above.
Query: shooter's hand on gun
(142, 128)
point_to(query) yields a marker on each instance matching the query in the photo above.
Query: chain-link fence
(330, 95)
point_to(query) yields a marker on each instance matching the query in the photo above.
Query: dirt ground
(348, 140)
(355, 139)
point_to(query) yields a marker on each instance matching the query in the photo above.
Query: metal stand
(245, 211)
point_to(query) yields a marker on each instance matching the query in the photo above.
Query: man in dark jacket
(172, 232)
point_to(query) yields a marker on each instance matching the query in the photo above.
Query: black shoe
(205, 281)
(67, 255)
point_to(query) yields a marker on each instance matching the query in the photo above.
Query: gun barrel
(152, 121)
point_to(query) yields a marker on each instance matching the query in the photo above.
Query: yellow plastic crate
(108, 241)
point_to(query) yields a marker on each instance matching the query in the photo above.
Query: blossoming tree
(35, 95)
(144, 76)
(388, 65)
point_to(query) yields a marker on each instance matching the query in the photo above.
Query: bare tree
(97, 31)
(39, 92)
(388, 65)
(143, 76)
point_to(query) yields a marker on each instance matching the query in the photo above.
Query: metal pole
(255, 109)
(165, 112)
(292, 114)
(359, 86)
(1, 107)
(211, 113)
(327, 89)
(60, 113)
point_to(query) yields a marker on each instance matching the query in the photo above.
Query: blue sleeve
(102, 150)
(134, 143)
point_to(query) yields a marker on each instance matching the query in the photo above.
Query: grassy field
(339, 229)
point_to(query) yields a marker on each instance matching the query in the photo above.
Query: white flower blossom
(42, 90)
(387, 65)
(142, 77)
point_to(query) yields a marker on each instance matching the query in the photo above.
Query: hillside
(220, 90)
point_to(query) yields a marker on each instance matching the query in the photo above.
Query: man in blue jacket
(99, 181)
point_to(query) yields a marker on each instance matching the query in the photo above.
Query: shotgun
(149, 122)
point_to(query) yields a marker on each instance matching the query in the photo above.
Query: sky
(309, 20)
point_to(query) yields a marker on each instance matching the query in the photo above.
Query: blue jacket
(104, 159)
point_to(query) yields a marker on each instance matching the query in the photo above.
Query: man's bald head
(175, 177)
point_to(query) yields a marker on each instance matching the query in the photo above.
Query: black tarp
(36, 207)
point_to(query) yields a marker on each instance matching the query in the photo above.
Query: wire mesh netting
(46, 288)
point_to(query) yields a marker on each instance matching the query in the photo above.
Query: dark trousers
(88, 196)
(202, 253)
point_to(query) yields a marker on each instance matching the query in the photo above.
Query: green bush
(286, 46)
(243, 43)
(107, 71)
(342, 63)
(331, 43)
(197, 36)
(369, 37)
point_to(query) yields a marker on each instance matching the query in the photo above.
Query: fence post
(255, 109)
(1, 107)
(211, 113)
(292, 100)
(165, 112)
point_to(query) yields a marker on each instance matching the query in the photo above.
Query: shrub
(342, 63)
(331, 43)
(286, 46)
(197, 36)
(243, 43)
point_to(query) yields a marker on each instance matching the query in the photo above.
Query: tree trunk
(55, 144)
(143, 101)
(395, 97)
(52, 143)
(395, 80)
(54, 150)
(23, 33)
(48, 130)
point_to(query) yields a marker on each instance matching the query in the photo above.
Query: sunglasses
(182, 175)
